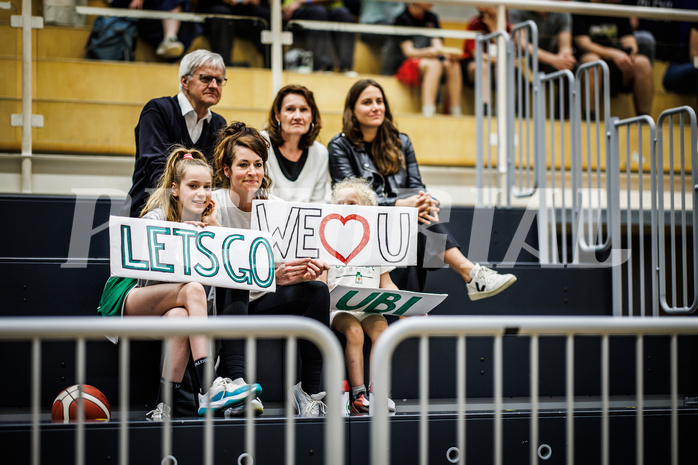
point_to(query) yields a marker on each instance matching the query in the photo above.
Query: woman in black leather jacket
(371, 147)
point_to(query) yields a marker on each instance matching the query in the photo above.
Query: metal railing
(673, 260)
(249, 328)
(536, 329)
(521, 163)
(492, 146)
(557, 184)
(577, 175)
(592, 154)
(639, 131)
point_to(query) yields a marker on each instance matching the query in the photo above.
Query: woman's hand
(299, 270)
(427, 206)
(135, 5)
(315, 269)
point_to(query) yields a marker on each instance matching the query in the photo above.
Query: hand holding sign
(299, 270)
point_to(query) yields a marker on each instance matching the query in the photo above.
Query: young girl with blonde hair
(352, 324)
(183, 195)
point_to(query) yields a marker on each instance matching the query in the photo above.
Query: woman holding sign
(240, 158)
(371, 147)
(296, 162)
(183, 195)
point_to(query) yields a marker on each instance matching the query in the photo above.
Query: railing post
(613, 213)
(277, 38)
(26, 120)
(676, 259)
(503, 94)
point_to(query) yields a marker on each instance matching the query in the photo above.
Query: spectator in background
(671, 41)
(221, 32)
(169, 37)
(421, 57)
(380, 13)
(185, 119)
(322, 43)
(485, 22)
(681, 75)
(297, 162)
(554, 37)
(611, 39)
(646, 43)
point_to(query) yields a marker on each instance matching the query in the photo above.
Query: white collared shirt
(194, 125)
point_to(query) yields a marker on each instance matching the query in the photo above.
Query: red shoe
(360, 404)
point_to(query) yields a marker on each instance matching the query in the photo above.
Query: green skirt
(114, 294)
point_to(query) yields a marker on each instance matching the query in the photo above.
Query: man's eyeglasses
(207, 78)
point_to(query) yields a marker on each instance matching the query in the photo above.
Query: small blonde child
(353, 325)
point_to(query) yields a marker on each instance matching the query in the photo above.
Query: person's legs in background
(431, 70)
(318, 42)
(681, 78)
(343, 41)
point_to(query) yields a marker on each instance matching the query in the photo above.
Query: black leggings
(310, 299)
(432, 240)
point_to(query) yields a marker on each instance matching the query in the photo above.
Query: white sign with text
(383, 301)
(339, 234)
(179, 252)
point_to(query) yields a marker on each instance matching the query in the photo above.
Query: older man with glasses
(185, 119)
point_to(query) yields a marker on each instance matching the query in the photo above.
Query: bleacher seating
(94, 93)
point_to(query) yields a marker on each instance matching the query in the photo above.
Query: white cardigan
(311, 185)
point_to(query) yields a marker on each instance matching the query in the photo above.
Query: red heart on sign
(357, 249)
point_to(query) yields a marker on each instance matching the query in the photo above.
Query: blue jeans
(681, 78)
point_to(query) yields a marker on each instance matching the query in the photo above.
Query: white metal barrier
(675, 265)
(538, 156)
(249, 328)
(535, 329)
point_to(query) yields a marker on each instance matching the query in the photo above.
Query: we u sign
(339, 234)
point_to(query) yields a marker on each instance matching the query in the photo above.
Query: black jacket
(160, 126)
(347, 161)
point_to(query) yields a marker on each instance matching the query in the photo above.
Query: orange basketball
(95, 406)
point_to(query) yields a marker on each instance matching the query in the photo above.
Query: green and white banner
(179, 252)
(383, 301)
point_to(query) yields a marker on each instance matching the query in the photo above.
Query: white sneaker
(226, 393)
(308, 405)
(159, 413)
(486, 282)
(391, 405)
(239, 410)
(170, 47)
(240, 390)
